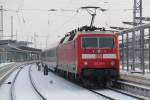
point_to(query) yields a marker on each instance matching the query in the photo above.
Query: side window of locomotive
(71, 37)
(66, 39)
(106, 42)
(89, 42)
(61, 41)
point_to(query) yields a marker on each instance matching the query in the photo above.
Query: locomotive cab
(98, 55)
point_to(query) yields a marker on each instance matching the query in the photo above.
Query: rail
(13, 85)
(107, 97)
(34, 86)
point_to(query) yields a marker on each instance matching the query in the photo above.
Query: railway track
(106, 93)
(12, 89)
(114, 90)
(103, 93)
(34, 86)
(105, 96)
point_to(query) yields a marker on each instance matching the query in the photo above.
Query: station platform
(135, 77)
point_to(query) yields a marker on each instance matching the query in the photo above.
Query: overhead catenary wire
(65, 23)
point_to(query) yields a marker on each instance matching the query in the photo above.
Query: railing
(135, 49)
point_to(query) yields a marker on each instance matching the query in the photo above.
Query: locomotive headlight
(85, 63)
(112, 63)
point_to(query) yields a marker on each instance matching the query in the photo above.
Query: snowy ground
(23, 87)
(51, 86)
(54, 87)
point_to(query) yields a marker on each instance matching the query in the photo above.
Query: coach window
(90, 42)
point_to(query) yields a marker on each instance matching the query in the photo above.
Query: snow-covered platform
(135, 77)
(5, 64)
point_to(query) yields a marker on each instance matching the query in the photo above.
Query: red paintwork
(71, 51)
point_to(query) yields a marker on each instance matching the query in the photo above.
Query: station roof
(4, 42)
(29, 48)
(17, 46)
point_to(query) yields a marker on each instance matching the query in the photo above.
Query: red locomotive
(86, 55)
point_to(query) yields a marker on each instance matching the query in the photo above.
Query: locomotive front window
(106, 42)
(90, 42)
(102, 42)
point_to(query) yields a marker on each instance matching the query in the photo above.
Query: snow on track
(54, 87)
(23, 88)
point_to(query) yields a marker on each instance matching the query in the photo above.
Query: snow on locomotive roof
(96, 32)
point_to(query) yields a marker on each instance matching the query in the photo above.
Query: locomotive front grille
(99, 73)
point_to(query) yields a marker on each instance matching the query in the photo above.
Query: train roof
(84, 30)
(95, 32)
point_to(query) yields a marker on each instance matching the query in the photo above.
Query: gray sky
(33, 17)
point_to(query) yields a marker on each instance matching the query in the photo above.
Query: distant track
(33, 84)
(5, 71)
